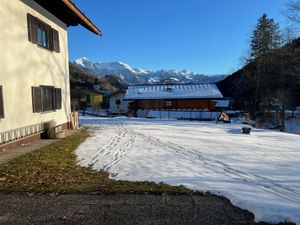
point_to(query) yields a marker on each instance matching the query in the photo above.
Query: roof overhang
(69, 13)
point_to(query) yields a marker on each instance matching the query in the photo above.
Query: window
(46, 98)
(168, 103)
(169, 89)
(42, 34)
(1, 104)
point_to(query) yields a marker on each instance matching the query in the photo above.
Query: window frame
(46, 105)
(168, 103)
(42, 34)
(46, 98)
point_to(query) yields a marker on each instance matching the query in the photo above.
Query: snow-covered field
(259, 172)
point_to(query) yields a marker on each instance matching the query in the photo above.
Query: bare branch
(293, 11)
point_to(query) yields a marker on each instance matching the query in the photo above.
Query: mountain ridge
(131, 76)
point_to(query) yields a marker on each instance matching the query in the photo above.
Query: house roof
(197, 91)
(69, 13)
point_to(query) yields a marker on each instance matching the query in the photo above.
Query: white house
(34, 69)
(117, 105)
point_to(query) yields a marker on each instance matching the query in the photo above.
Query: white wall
(113, 108)
(24, 64)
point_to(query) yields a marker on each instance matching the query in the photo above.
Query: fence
(196, 115)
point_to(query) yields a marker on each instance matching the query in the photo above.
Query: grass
(53, 169)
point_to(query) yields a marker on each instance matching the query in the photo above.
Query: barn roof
(197, 91)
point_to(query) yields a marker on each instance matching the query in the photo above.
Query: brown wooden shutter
(51, 39)
(37, 105)
(55, 40)
(58, 99)
(49, 34)
(1, 104)
(32, 28)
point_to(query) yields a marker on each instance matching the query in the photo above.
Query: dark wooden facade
(173, 104)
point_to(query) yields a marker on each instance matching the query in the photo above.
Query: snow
(222, 103)
(140, 71)
(173, 92)
(84, 62)
(259, 172)
(292, 126)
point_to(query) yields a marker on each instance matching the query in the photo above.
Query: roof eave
(84, 21)
(69, 13)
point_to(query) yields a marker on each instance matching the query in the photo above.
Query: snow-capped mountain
(131, 75)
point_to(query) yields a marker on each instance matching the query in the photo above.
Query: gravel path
(120, 209)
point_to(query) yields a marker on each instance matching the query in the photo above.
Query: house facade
(34, 69)
(175, 101)
(117, 105)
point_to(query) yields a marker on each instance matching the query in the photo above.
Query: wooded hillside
(81, 79)
(278, 74)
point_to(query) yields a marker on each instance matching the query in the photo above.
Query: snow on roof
(222, 103)
(164, 91)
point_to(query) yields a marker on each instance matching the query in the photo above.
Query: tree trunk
(282, 119)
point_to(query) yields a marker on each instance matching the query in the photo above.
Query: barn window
(46, 98)
(42, 34)
(168, 103)
(1, 104)
(169, 89)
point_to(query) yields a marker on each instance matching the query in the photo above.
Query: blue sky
(204, 36)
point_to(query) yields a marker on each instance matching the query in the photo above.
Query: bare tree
(293, 11)
(288, 35)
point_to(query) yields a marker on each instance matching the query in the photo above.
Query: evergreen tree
(266, 37)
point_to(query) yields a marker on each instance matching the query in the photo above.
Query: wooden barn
(201, 101)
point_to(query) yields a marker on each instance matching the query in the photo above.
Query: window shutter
(51, 43)
(58, 99)
(37, 105)
(32, 29)
(1, 104)
(55, 40)
(49, 39)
